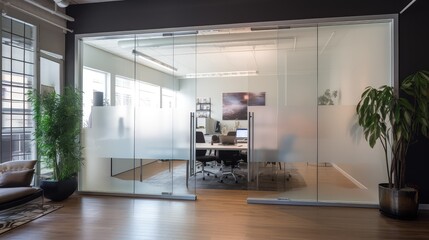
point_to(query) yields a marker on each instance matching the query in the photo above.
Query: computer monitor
(241, 133)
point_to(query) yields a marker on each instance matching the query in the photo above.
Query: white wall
(214, 87)
(354, 58)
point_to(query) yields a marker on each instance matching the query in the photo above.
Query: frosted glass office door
(136, 138)
(108, 124)
(162, 118)
(284, 144)
(351, 57)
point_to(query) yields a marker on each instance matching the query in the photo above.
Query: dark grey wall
(147, 14)
(413, 56)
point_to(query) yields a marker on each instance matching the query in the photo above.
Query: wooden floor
(217, 214)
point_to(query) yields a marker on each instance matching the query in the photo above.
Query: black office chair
(243, 154)
(203, 157)
(229, 160)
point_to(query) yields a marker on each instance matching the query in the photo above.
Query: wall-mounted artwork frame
(256, 99)
(234, 106)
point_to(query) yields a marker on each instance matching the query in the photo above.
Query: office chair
(202, 156)
(243, 154)
(229, 160)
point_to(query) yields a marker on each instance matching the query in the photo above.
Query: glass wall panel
(108, 130)
(138, 140)
(263, 115)
(183, 103)
(285, 136)
(153, 135)
(351, 57)
(225, 59)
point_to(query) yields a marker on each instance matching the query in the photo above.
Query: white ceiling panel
(224, 50)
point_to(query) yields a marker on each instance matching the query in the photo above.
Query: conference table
(218, 146)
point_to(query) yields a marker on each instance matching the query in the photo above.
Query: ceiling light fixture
(153, 60)
(55, 12)
(222, 74)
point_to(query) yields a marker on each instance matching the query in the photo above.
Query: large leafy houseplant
(396, 122)
(58, 118)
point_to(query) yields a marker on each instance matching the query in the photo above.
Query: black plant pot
(401, 204)
(58, 190)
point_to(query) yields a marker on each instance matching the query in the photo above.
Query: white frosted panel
(297, 134)
(113, 131)
(341, 144)
(181, 134)
(185, 105)
(153, 138)
(354, 57)
(300, 78)
(297, 112)
(265, 133)
(96, 172)
(351, 57)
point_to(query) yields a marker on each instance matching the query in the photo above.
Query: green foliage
(327, 98)
(58, 118)
(395, 121)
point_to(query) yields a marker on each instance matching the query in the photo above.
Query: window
(167, 98)
(93, 81)
(137, 93)
(18, 57)
(124, 91)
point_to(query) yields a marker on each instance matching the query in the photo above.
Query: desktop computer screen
(241, 133)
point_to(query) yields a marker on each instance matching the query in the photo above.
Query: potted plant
(327, 98)
(58, 118)
(396, 122)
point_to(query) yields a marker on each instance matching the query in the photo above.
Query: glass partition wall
(321, 153)
(350, 58)
(136, 128)
(293, 87)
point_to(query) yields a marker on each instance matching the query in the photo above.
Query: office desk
(218, 146)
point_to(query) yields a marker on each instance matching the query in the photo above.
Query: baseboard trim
(169, 196)
(281, 201)
(285, 201)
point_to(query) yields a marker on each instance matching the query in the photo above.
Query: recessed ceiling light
(222, 74)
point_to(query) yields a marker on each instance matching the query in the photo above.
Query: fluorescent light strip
(222, 74)
(153, 60)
